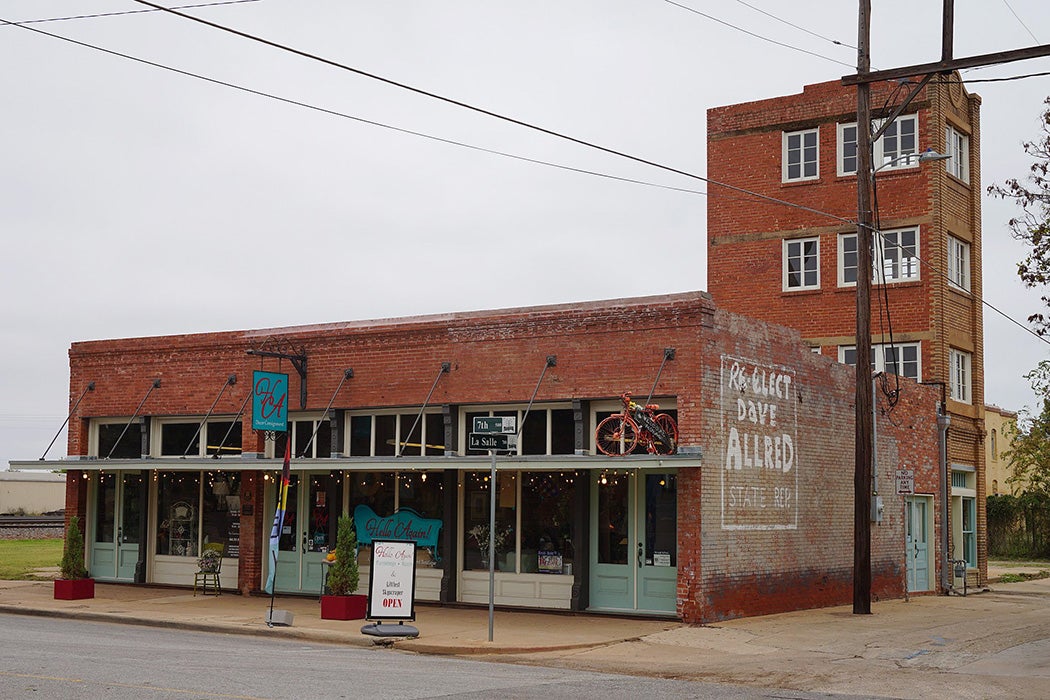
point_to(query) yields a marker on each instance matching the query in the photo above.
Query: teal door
(117, 526)
(314, 503)
(917, 550)
(633, 541)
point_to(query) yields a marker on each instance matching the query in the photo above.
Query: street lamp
(927, 156)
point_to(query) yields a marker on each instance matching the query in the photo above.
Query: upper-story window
(800, 156)
(394, 433)
(957, 145)
(900, 358)
(117, 439)
(547, 430)
(801, 264)
(190, 438)
(959, 366)
(895, 258)
(889, 152)
(958, 263)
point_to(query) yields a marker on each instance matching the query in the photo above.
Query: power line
(129, 12)
(1021, 21)
(802, 29)
(495, 115)
(750, 33)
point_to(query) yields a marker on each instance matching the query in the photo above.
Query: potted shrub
(75, 583)
(343, 576)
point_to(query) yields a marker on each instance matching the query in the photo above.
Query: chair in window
(208, 568)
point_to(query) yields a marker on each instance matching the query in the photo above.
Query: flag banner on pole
(278, 516)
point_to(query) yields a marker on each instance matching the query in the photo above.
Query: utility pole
(863, 440)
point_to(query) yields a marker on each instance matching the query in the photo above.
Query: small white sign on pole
(905, 482)
(392, 580)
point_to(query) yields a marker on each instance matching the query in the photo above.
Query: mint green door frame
(917, 530)
(299, 570)
(633, 541)
(117, 524)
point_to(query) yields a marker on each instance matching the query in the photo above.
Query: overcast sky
(135, 201)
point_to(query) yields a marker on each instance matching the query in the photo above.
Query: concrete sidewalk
(985, 645)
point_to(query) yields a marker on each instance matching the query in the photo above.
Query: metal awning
(369, 464)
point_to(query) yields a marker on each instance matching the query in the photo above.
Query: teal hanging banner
(270, 401)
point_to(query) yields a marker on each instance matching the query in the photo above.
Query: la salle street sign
(492, 441)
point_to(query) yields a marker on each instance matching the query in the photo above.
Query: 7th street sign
(492, 441)
(495, 424)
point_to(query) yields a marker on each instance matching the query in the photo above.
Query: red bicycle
(620, 433)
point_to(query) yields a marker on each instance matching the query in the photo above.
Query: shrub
(343, 576)
(73, 556)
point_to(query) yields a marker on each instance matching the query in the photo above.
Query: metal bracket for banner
(298, 361)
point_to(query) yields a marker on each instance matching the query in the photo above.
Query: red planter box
(74, 589)
(343, 607)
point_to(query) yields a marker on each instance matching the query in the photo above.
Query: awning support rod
(89, 387)
(230, 381)
(668, 355)
(445, 367)
(552, 360)
(154, 385)
(347, 374)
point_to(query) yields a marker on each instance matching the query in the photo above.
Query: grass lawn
(18, 558)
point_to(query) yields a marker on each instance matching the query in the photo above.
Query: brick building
(750, 513)
(1000, 425)
(797, 265)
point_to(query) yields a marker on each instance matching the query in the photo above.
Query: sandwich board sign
(392, 580)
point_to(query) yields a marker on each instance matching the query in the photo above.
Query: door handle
(641, 553)
(120, 535)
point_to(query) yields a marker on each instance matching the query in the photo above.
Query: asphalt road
(50, 658)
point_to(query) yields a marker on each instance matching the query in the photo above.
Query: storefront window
(546, 522)
(105, 507)
(661, 520)
(325, 505)
(221, 511)
(476, 518)
(178, 496)
(376, 491)
(422, 492)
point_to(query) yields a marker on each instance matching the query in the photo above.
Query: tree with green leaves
(1029, 451)
(1032, 227)
(343, 576)
(72, 566)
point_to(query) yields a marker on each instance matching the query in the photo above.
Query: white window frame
(883, 151)
(960, 366)
(879, 357)
(958, 263)
(957, 146)
(796, 155)
(903, 269)
(789, 255)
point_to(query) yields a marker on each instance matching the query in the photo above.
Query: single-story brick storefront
(749, 512)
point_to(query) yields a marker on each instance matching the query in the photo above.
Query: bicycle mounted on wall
(620, 433)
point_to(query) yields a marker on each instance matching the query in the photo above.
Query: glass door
(314, 505)
(917, 545)
(634, 541)
(117, 526)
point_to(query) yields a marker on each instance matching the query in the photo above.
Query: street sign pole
(492, 542)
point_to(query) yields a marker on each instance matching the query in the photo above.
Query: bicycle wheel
(670, 428)
(615, 436)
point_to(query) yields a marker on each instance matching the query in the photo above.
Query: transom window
(895, 258)
(192, 439)
(958, 263)
(889, 152)
(957, 145)
(903, 359)
(800, 155)
(547, 430)
(801, 264)
(390, 434)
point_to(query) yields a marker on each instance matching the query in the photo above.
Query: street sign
(492, 441)
(495, 424)
(905, 481)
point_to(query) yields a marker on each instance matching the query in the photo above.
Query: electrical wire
(1021, 21)
(130, 12)
(802, 29)
(495, 115)
(750, 33)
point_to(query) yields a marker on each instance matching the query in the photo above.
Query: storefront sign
(392, 580)
(759, 446)
(269, 401)
(405, 524)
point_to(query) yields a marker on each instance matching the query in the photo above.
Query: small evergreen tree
(73, 556)
(343, 576)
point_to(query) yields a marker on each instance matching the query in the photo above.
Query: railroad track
(16, 521)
